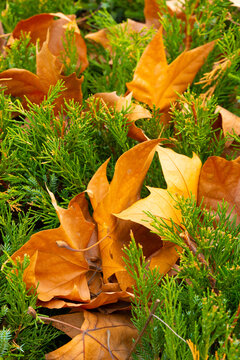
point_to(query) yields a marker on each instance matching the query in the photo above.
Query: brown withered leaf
(21, 82)
(44, 25)
(230, 123)
(101, 36)
(68, 277)
(104, 298)
(124, 190)
(220, 179)
(152, 11)
(94, 336)
(60, 272)
(136, 112)
(157, 83)
(181, 174)
(37, 26)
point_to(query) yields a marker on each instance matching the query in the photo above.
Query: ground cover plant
(119, 180)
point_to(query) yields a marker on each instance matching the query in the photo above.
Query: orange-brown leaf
(181, 174)
(95, 336)
(219, 179)
(21, 82)
(101, 36)
(136, 112)
(98, 186)
(37, 26)
(156, 83)
(230, 123)
(73, 90)
(152, 11)
(57, 37)
(42, 25)
(60, 272)
(104, 298)
(124, 190)
(48, 70)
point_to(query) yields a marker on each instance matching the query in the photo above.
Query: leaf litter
(79, 265)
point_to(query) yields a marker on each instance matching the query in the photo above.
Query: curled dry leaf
(64, 274)
(136, 112)
(58, 271)
(101, 36)
(94, 336)
(21, 82)
(71, 275)
(181, 174)
(124, 190)
(68, 277)
(230, 123)
(152, 11)
(43, 25)
(157, 83)
(220, 179)
(104, 298)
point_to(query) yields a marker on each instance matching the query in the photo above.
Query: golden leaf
(157, 83)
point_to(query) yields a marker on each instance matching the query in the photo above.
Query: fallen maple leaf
(67, 274)
(152, 11)
(181, 174)
(220, 179)
(230, 123)
(42, 26)
(136, 112)
(21, 82)
(157, 83)
(102, 36)
(58, 271)
(124, 190)
(104, 298)
(95, 336)
(68, 278)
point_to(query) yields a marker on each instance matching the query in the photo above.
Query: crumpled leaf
(124, 190)
(42, 26)
(220, 179)
(70, 278)
(104, 298)
(60, 272)
(157, 83)
(181, 174)
(21, 82)
(230, 123)
(152, 11)
(95, 336)
(101, 36)
(136, 112)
